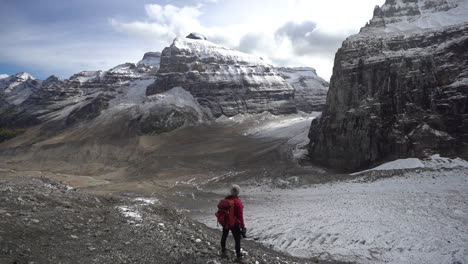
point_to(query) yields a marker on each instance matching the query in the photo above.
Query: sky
(45, 37)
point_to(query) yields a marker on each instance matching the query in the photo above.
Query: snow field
(294, 127)
(419, 218)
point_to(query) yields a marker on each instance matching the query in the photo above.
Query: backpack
(225, 214)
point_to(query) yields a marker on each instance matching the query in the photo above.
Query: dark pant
(236, 232)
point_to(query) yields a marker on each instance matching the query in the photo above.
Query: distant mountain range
(221, 80)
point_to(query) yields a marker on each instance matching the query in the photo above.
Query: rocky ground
(45, 221)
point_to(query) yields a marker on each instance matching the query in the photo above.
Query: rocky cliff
(310, 90)
(227, 82)
(399, 87)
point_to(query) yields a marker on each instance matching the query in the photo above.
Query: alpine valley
(126, 165)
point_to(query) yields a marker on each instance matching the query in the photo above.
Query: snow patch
(434, 162)
(131, 213)
(135, 93)
(295, 128)
(205, 49)
(177, 96)
(147, 201)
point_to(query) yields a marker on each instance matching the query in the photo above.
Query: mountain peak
(413, 15)
(53, 78)
(195, 35)
(151, 58)
(24, 76)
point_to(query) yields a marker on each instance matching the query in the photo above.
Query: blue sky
(45, 37)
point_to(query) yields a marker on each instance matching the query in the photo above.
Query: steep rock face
(89, 110)
(310, 89)
(226, 81)
(402, 93)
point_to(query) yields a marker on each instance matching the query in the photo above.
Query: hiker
(231, 217)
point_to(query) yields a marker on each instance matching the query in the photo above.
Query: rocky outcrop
(227, 82)
(403, 93)
(89, 109)
(310, 90)
(406, 15)
(151, 59)
(195, 35)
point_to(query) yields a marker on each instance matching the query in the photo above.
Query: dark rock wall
(394, 97)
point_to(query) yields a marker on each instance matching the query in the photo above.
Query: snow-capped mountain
(17, 88)
(399, 87)
(399, 16)
(188, 82)
(226, 81)
(310, 89)
(29, 101)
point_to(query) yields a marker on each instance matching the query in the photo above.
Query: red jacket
(238, 209)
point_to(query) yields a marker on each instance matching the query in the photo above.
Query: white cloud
(294, 33)
(163, 23)
(285, 32)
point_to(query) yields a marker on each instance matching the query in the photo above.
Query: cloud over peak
(290, 43)
(307, 39)
(57, 37)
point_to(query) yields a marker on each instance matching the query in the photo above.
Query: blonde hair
(235, 190)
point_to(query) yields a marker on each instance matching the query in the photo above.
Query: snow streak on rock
(226, 81)
(310, 89)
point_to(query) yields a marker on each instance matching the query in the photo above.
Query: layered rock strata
(226, 81)
(310, 90)
(397, 89)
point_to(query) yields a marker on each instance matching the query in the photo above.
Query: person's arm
(240, 214)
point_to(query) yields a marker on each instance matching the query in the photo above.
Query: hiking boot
(241, 260)
(223, 254)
